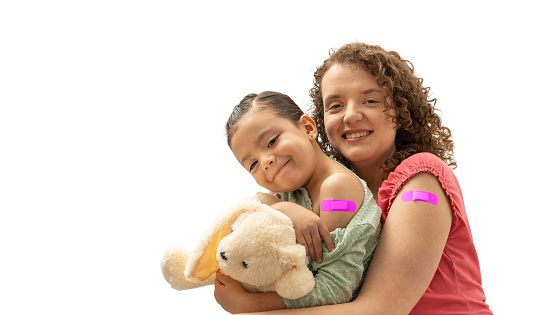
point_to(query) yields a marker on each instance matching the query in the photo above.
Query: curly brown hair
(419, 127)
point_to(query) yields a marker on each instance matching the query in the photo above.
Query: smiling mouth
(279, 170)
(355, 135)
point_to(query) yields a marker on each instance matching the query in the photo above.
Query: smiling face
(355, 116)
(277, 152)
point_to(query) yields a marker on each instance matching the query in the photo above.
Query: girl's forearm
(347, 309)
(260, 302)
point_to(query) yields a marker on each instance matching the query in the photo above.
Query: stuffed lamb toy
(250, 242)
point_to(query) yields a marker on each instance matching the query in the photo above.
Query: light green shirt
(340, 275)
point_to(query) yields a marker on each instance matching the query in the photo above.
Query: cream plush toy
(252, 243)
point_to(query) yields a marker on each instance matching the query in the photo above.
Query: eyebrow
(368, 91)
(258, 140)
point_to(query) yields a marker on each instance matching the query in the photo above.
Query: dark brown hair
(281, 105)
(419, 127)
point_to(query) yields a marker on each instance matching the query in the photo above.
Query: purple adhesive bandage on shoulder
(417, 195)
(338, 205)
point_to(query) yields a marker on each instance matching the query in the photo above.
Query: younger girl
(276, 142)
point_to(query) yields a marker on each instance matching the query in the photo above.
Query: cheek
(258, 174)
(383, 120)
(391, 122)
(388, 123)
(331, 125)
(389, 131)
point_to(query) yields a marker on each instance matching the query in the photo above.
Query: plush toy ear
(173, 266)
(297, 281)
(202, 262)
(292, 255)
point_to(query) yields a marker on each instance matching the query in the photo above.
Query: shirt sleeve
(421, 163)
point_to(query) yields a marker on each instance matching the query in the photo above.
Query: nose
(267, 162)
(352, 114)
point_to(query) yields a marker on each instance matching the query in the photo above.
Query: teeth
(357, 135)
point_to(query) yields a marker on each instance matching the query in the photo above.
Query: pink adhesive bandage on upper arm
(338, 205)
(417, 195)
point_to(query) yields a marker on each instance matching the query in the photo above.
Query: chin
(356, 156)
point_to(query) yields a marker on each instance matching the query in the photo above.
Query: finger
(301, 240)
(309, 241)
(276, 194)
(218, 284)
(317, 244)
(222, 278)
(325, 234)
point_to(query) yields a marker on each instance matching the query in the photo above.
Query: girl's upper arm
(341, 187)
(409, 250)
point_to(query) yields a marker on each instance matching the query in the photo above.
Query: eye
(272, 142)
(245, 264)
(334, 106)
(252, 166)
(371, 101)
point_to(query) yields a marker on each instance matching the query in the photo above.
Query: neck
(373, 175)
(322, 171)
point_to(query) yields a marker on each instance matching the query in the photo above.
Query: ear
(173, 266)
(292, 255)
(202, 262)
(310, 126)
(295, 283)
(297, 280)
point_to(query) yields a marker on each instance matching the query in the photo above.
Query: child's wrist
(261, 302)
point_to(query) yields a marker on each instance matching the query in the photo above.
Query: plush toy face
(253, 255)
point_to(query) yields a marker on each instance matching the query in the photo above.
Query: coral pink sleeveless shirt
(457, 285)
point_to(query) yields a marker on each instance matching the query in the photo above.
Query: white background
(112, 144)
